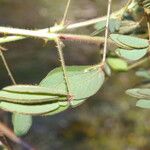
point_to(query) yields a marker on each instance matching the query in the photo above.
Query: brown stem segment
(10, 135)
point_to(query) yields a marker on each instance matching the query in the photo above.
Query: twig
(5, 142)
(138, 63)
(9, 134)
(60, 51)
(7, 67)
(106, 32)
(65, 13)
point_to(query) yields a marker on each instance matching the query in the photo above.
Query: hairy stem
(60, 51)
(51, 36)
(7, 67)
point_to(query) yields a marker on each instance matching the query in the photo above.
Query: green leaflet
(145, 92)
(26, 98)
(114, 25)
(129, 42)
(133, 42)
(75, 103)
(115, 37)
(139, 93)
(60, 109)
(133, 55)
(143, 103)
(37, 109)
(84, 81)
(63, 105)
(117, 64)
(135, 93)
(21, 123)
(32, 89)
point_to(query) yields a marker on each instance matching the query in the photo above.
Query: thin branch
(148, 25)
(136, 64)
(106, 32)
(7, 67)
(5, 142)
(60, 51)
(66, 12)
(9, 134)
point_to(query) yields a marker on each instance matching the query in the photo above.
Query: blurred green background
(107, 121)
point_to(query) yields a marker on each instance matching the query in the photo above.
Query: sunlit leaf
(26, 98)
(21, 123)
(114, 25)
(114, 37)
(32, 89)
(75, 103)
(37, 109)
(133, 42)
(129, 42)
(117, 64)
(60, 109)
(143, 103)
(134, 54)
(84, 80)
(139, 92)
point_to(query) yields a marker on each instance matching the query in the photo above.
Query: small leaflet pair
(130, 48)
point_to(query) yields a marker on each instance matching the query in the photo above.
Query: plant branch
(57, 28)
(65, 13)
(5, 142)
(52, 36)
(136, 64)
(60, 51)
(106, 32)
(7, 67)
(9, 134)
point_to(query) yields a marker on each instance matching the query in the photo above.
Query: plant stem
(56, 29)
(51, 36)
(5, 142)
(60, 51)
(9, 134)
(116, 14)
(106, 32)
(7, 67)
(138, 63)
(65, 13)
